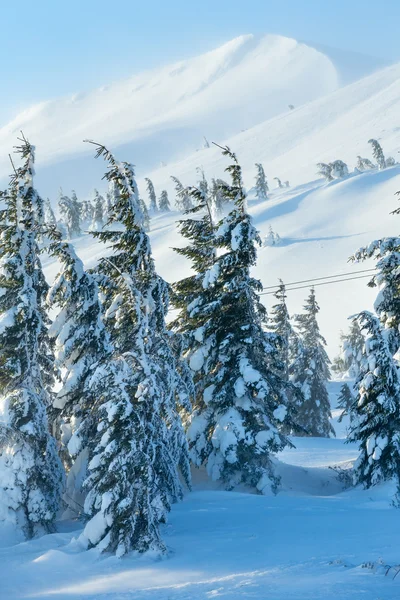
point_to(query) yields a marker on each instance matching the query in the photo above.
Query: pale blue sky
(50, 47)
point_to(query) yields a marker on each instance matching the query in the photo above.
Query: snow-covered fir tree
(386, 252)
(261, 186)
(236, 422)
(49, 216)
(325, 170)
(137, 302)
(339, 169)
(345, 402)
(279, 322)
(272, 238)
(217, 197)
(390, 161)
(87, 211)
(164, 204)
(351, 352)
(145, 215)
(182, 199)
(98, 212)
(364, 164)
(70, 215)
(310, 373)
(377, 153)
(31, 475)
(152, 196)
(80, 339)
(376, 423)
(279, 183)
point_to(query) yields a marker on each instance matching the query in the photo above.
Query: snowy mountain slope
(166, 112)
(320, 224)
(337, 126)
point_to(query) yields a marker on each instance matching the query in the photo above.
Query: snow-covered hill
(163, 114)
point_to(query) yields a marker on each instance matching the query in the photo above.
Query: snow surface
(308, 542)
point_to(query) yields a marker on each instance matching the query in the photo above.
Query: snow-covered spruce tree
(145, 215)
(364, 164)
(376, 423)
(182, 199)
(152, 196)
(386, 252)
(279, 183)
(164, 204)
(87, 211)
(279, 322)
(339, 169)
(137, 301)
(345, 402)
(31, 473)
(70, 215)
(325, 170)
(351, 352)
(272, 238)
(101, 418)
(98, 212)
(235, 424)
(310, 373)
(262, 188)
(80, 339)
(377, 153)
(194, 294)
(49, 216)
(217, 197)
(390, 161)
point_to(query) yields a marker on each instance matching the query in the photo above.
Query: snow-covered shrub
(272, 238)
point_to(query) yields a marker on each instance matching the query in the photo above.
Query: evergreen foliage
(164, 204)
(32, 475)
(325, 170)
(377, 153)
(236, 422)
(152, 196)
(136, 302)
(376, 424)
(280, 323)
(345, 402)
(310, 373)
(364, 164)
(182, 199)
(351, 356)
(98, 212)
(262, 188)
(70, 215)
(49, 216)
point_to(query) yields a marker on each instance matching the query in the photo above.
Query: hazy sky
(50, 47)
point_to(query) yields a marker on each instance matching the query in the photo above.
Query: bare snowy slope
(166, 112)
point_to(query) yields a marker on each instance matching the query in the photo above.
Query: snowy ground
(308, 542)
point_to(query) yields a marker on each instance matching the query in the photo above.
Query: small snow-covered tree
(272, 238)
(98, 212)
(49, 216)
(377, 153)
(182, 199)
(364, 164)
(279, 183)
(31, 475)
(235, 425)
(390, 161)
(310, 373)
(87, 211)
(164, 204)
(152, 196)
(339, 169)
(217, 198)
(376, 424)
(262, 188)
(70, 215)
(351, 353)
(325, 170)
(345, 402)
(279, 322)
